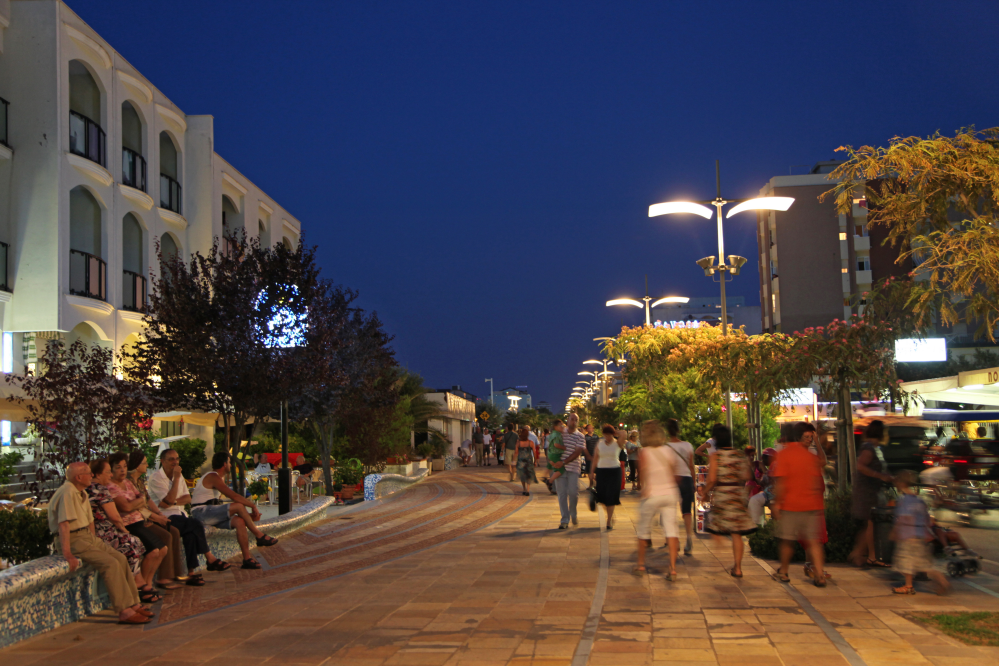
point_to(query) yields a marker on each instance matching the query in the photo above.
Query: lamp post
(491, 401)
(646, 299)
(604, 362)
(734, 262)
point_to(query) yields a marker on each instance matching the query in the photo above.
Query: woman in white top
(658, 466)
(684, 478)
(607, 472)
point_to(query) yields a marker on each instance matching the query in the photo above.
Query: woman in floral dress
(727, 476)
(109, 526)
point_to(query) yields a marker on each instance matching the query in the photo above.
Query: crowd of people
(789, 478)
(134, 529)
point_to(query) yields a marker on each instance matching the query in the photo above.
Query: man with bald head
(72, 520)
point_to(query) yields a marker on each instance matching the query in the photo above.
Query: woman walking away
(866, 484)
(684, 479)
(607, 468)
(658, 466)
(727, 476)
(525, 459)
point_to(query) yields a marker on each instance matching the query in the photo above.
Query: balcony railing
(3, 266)
(133, 169)
(3, 122)
(86, 138)
(87, 275)
(170, 194)
(133, 292)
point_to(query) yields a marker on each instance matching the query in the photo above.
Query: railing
(86, 138)
(87, 275)
(133, 292)
(133, 169)
(3, 266)
(3, 122)
(169, 194)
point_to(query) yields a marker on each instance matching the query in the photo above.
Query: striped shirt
(573, 441)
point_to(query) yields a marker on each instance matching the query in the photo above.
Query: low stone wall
(43, 594)
(377, 486)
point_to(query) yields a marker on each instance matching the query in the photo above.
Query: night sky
(481, 173)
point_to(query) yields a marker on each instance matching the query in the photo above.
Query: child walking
(913, 534)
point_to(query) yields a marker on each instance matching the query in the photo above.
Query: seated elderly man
(239, 515)
(71, 518)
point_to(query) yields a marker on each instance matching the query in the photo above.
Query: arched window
(133, 281)
(133, 164)
(168, 247)
(169, 174)
(287, 243)
(86, 137)
(87, 271)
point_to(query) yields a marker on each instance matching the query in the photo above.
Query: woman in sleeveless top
(727, 475)
(657, 465)
(868, 479)
(606, 472)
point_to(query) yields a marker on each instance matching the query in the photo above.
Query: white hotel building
(96, 166)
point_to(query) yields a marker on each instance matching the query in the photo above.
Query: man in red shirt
(799, 505)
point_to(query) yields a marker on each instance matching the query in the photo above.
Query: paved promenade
(462, 569)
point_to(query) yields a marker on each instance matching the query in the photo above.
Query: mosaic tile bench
(380, 485)
(42, 594)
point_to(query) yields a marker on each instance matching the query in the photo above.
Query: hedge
(24, 536)
(764, 543)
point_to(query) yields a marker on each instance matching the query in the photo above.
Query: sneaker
(563, 526)
(575, 521)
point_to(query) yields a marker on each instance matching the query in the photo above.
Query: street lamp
(515, 399)
(490, 380)
(647, 299)
(604, 362)
(734, 262)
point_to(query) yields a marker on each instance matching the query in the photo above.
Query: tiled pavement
(462, 569)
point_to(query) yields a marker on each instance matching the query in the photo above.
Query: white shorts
(666, 506)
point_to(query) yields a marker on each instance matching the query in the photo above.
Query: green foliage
(764, 542)
(301, 439)
(145, 441)
(493, 417)
(973, 628)
(8, 462)
(258, 487)
(24, 536)
(424, 450)
(349, 476)
(192, 455)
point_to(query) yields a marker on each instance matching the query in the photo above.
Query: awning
(197, 418)
(976, 387)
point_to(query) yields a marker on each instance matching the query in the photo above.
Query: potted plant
(348, 478)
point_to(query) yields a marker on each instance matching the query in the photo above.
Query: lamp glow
(592, 361)
(670, 207)
(671, 299)
(624, 301)
(586, 373)
(763, 203)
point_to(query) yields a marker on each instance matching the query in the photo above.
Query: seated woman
(109, 527)
(153, 529)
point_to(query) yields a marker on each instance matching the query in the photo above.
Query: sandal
(266, 541)
(819, 582)
(782, 577)
(671, 576)
(878, 563)
(195, 580)
(218, 565)
(734, 574)
(905, 589)
(149, 596)
(638, 571)
(251, 563)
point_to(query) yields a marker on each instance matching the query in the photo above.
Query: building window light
(5, 432)
(7, 353)
(842, 235)
(846, 270)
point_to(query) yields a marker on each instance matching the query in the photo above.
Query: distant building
(544, 405)
(502, 399)
(708, 310)
(459, 407)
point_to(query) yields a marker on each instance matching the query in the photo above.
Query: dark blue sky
(481, 172)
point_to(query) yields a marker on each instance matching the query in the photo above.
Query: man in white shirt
(167, 489)
(487, 443)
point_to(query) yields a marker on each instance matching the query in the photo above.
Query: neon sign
(677, 324)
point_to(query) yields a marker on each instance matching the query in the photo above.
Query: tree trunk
(846, 451)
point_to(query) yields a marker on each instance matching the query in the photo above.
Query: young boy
(912, 535)
(554, 453)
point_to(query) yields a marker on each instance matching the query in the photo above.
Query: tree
(82, 410)
(938, 200)
(492, 419)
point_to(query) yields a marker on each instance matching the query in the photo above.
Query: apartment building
(97, 167)
(813, 260)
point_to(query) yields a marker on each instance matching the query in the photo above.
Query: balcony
(133, 169)
(88, 275)
(3, 122)
(3, 267)
(87, 139)
(170, 194)
(133, 292)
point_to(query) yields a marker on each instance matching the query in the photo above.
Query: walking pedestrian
(765, 497)
(684, 479)
(868, 479)
(728, 472)
(487, 444)
(798, 504)
(526, 451)
(658, 466)
(912, 533)
(567, 485)
(478, 445)
(708, 448)
(510, 439)
(554, 454)
(606, 473)
(591, 446)
(632, 448)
